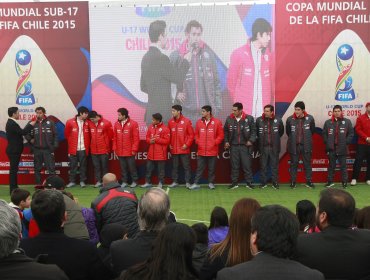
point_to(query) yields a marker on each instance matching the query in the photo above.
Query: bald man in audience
(116, 205)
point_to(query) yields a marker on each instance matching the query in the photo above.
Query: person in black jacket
(337, 133)
(14, 134)
(153, 213)
(300, 128)
(79, 259)
(157, 73)
(269, 130)
(338, 251)
(240, 134)
(44, 139)
(14, 265)
(116, 205)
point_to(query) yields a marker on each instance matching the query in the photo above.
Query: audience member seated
(20, 200)
(110, 233)
(153, 212)
(273, 240)
(363, 218)
(116, 205)
(306, 214)
(14, 265)
(171, 256)
(235, 248)
(75, 226)
(201, 245)
(90, 220)
(218, 227)
(77, 258)
(338, 251)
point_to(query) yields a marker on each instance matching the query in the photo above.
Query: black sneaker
(233, 186)
(263, 186)
(275, 185)
(329, 184)
(249, 186)
(293, 185)
(310, 185)
(344, 185)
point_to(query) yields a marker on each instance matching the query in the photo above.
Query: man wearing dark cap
(363, 146)
(75, 225)
(300, 128)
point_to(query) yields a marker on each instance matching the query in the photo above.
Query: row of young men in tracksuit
(239, 132)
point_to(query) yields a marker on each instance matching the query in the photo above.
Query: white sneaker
(133, 185)
(82, 184)
(71, 184)
(146, 186)
(211, 186)
(173, 185)
(187, 185)
(353, 182)
(160, 185)
(123, 185)
(98, 185)
(194, 187)
(368, 182)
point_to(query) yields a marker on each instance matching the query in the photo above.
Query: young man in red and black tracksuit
(77, 134)
(101, 145)
(300, 128)
(158, 139)
(44, 140)
(182, 136)
(362, 128)
(337, 133)
(126, 141)
(208, 135)
(240, 134)
(269, 130)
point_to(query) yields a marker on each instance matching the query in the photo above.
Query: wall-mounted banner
(45, 57)
(322, 59)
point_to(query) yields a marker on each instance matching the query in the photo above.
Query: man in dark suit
(157, 73)
(79, 259)
(14, 134)
(153, 213)
(274, 236)
(338, 251)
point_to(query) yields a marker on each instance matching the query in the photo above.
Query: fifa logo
(23, 67)
(343, 87)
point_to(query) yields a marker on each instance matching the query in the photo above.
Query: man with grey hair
(13, 263)
(153, 212)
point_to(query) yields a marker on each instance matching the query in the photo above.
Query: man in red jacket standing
(100, 145)
(126, 144)
(77, 134)
(182, 136)
(208, 135)
(363, 146)
(158, 138)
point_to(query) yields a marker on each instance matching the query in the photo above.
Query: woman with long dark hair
(219, 226)
(235, 248)
(171, 256)
(306, 214)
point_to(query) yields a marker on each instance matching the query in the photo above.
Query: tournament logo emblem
(23, 67)
(343, 87)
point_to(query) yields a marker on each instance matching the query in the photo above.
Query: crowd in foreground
(122, 237)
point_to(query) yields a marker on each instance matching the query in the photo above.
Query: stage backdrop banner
(322, 59)
(120, 38)
(45, 58)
